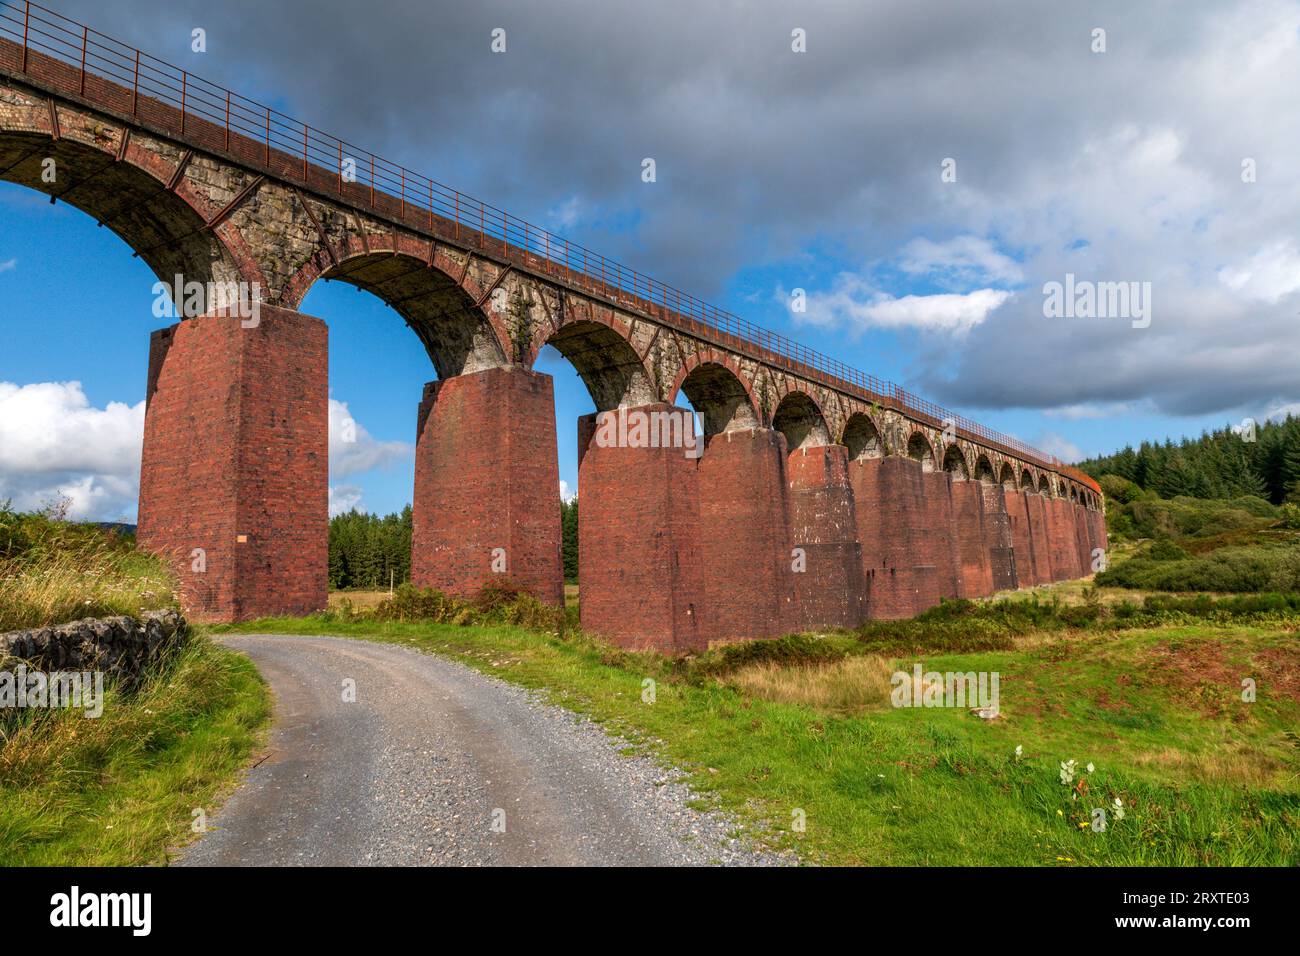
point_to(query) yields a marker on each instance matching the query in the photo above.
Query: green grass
(1205, 778)
(53, 571)
(120, 789)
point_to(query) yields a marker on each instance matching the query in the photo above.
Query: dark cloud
(762, 152)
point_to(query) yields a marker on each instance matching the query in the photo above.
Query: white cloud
(354, 450)
(1269, 275)
(853, 301)
(344, 498)
(565, 494)
(962, 259)
(8, 265)
(54, 444)
(1058, 445)
(1074, 413)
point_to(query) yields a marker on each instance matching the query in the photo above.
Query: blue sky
(776, 171)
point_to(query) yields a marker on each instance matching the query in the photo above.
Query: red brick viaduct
(823, 497)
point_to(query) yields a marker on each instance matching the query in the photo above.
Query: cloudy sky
(920, 171)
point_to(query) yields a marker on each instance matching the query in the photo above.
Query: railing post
(185, 77)
(227, 121)
(340, 167)
(85, 36)
(305, 128)
(135, 85)
(268, 137)
(403, 216)
(372, 180)
(431, 205)
(27, 16)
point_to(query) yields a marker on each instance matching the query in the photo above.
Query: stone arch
(606, 362)
(719, 394)
(1045, 486)
(1074, 494)
(143, 196)
(456, 332)
(1007, 476)
(919, 449)
(800, 420)
(984, 469)
(954, 462)
(862, 437)
(1026, 480)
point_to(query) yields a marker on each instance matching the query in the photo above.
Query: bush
(501, 602)
(793, 649)
(1244, 569)
(1290, 514)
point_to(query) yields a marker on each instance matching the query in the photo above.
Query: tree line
(1229, 463)
(367, 551)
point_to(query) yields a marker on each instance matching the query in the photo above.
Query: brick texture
(997, 537)
(976, 574)
(823, 522)
(487, 478)
(236, 463)
(638, 527)
(748, 587)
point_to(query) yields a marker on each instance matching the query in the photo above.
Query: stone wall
(119, 646)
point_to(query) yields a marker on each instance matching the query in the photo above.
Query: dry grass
(358, 600)
(844, 687)
(61, 588)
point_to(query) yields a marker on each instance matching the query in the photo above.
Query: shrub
(1290, 514)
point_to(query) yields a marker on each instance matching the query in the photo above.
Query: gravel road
(437, 764)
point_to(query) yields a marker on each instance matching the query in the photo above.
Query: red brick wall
(976, 576)
(823, 522)
(1083, 532)
(890, 508)
(932, 543)
(748, 588)
(1061, 539)
(487, 478)
(997, 537)
(1018, 513)
(236, 445)
(1036, 506)
(638, 524)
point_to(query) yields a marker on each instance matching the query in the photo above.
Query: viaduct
(823, 496)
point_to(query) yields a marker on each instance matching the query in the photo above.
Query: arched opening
(65, 281)
(1044, 486)
(1026, 480)
(159, 225)
(862, 438)
(1007, 477)
(918, 449)
(983, 470)
(954, 462)
(607, 364)
(720, 397)
(454, 330)
(800, 420)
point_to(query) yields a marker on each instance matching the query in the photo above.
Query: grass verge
(778, 731)
(120, 789)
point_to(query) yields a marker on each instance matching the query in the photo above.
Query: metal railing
(77, 60)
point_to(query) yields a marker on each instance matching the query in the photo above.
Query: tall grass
(53, 571)
(121, 789)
